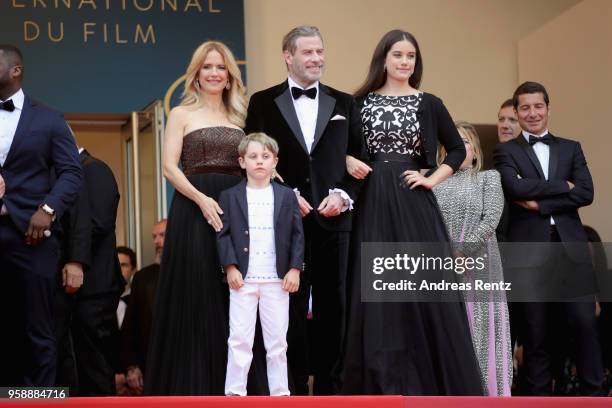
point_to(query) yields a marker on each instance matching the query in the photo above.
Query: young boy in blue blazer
(261, 248)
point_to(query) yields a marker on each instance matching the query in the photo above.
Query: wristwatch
(48, 210)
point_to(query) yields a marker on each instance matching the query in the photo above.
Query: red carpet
(315, 402)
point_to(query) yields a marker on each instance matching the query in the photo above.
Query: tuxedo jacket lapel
(326, 108)
(531, 154)
(285, 104)
(553, 157)
(25, 120)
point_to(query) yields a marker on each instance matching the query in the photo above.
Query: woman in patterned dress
(471, 202)
(404, 348)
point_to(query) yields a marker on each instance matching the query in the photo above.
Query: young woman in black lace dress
(404, 348)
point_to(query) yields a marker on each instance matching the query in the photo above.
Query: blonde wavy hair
(234, 99)
(468, 131)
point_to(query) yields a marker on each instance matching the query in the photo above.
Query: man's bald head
(11, 70)
(12, 54)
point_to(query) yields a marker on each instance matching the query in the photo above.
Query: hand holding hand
(305, 207)
(331, 205)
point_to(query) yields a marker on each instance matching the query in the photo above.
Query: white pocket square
(338, 117)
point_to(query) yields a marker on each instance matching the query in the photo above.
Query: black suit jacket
(313, 174)
(233, 239)
(523, 179)
(136, 328)
(104, 274)
(76, 228)
(42, 145)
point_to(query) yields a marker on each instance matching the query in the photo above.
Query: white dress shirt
(542, 151)
(8, 124)
(307, 111)
(8, 127)
(122, 306)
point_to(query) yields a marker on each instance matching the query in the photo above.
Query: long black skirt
(188, 348)
(403, 348)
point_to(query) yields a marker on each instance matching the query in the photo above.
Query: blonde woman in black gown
(188, 349)
(404, 348)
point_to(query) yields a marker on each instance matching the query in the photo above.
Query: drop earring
(228, 86)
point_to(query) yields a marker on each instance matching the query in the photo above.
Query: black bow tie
(297, 92)
(7, 105)
(544, 139)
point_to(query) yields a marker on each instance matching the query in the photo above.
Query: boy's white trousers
(273, 303)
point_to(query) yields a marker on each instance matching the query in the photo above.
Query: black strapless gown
(188, 347)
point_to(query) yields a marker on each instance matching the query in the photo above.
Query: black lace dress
(188, 348)
(401, 348)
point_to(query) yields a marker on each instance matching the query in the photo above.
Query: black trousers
(540, 337)
(605, 331)
(28, 276)
(88, 343)
(328, 274)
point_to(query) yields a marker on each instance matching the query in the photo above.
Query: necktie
(297, 92)
(7, 105)
(546, 139)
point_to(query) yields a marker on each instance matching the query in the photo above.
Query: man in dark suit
(316, 127)
(127, 262)
(546, 180)
(136, 327)
(91, 312)
(508, 128)
(34, 142)
(75, 257)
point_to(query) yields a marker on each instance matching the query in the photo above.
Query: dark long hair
(377, 76)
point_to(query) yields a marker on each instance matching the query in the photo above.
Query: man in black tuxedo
(136, 328)
(546, 180)
(127, 262)
(34, 143)
(316, 127)
(91, 312)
